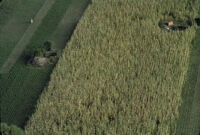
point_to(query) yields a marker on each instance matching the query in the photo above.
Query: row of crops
(120, 73)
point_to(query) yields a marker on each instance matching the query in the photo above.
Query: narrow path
(194, 122)
(17, 51)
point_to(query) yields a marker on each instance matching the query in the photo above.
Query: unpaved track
(17, 51)
(194, 123)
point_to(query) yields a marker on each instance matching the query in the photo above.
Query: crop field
(120, 73)
(21, 86)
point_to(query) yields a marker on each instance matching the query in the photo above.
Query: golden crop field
(120, 73)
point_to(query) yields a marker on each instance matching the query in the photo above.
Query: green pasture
(21, 87)
(14, 20)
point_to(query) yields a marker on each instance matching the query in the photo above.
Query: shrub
(10, 130)
(39, 52)
(48, 45)
(52, 59)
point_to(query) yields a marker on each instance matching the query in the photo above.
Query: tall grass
(120, 73)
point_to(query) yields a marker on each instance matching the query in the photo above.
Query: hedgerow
(120, 73)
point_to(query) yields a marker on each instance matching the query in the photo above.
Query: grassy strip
(120, 73)
(22, 85)
(69, 22)
(184, 125)
(194, 123)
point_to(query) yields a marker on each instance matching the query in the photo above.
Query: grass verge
(185, 124)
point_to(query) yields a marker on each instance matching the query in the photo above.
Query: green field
(14, 20)
(189, 122)
(21, 87)
(121, 74)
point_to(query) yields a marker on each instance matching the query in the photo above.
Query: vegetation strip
(194, 122)
(68, 23)
(19, 48)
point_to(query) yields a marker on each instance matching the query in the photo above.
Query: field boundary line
(64, 23)
(20, 46)
(71, 17)
(194, 121)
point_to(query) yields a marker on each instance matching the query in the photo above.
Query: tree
(48, 45)
(39, 52)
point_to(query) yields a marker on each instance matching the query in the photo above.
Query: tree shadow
(197, 20)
